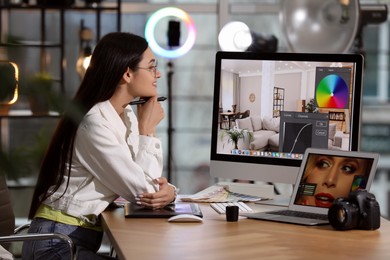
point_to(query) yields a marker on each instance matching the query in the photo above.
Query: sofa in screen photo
(335, 137)
(266, 134)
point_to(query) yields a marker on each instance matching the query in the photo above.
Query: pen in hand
(143, 101)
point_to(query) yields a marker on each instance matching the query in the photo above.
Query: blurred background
(47, 41)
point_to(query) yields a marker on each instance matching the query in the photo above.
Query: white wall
(291, 82)
(250, 85)
(227, 90)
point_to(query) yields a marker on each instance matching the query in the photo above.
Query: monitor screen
(269, 107)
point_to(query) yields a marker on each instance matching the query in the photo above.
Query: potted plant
(235, 134)
(39, 92)
(311, 107)
(24, 161)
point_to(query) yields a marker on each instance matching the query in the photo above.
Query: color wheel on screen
(332, 92)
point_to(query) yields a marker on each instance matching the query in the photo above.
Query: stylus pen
(143, 101)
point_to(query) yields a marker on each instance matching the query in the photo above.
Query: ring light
(151, 25)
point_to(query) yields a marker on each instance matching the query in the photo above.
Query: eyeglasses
(151, 68)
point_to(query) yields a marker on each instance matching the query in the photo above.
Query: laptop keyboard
(220, 207)
(300, 214)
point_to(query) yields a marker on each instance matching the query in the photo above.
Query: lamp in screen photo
(237, 36)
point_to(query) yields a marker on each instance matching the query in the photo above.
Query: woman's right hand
(159, 199)
(150, 115)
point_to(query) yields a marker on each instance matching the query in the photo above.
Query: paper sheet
(217, 193)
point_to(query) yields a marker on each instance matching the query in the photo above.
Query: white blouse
(110, 159)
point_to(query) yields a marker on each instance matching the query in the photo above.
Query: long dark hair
(114, 53)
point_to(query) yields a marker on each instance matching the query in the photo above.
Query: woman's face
(334, 177)
(144, 83)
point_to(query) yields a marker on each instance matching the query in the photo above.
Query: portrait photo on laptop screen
(327, 177)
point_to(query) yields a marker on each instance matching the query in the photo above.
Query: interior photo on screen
(279, 108)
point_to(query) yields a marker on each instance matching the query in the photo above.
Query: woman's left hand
(159, 199)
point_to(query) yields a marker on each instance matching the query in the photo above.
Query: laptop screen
(328, 175)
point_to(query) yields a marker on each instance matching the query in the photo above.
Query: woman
(106, 154)
(331, 177)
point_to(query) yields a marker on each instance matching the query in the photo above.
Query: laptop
(324, 175)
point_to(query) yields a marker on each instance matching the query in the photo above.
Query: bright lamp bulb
(242, 40)
(82, 65)
(86, 62)
(234, 36)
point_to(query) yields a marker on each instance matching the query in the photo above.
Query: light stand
(173, 41)
(170, 128)
(369, 14)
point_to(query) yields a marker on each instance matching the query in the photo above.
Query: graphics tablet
(133, 210)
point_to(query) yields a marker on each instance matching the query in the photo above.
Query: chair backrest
(7, 217)
(241, 115)
(245, 114)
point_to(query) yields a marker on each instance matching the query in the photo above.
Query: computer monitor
(282, 103)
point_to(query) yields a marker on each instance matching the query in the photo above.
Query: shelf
(336, 116)
(27, 113)
(102, 7)
(278, 101)
(44, 45)
(37, 44)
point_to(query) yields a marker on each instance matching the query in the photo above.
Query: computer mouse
(185, 218)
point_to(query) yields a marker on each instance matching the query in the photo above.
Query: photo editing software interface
(278, 108)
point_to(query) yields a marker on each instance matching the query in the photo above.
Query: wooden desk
(246, 239)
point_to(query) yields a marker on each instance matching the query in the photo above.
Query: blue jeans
(87, 241)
